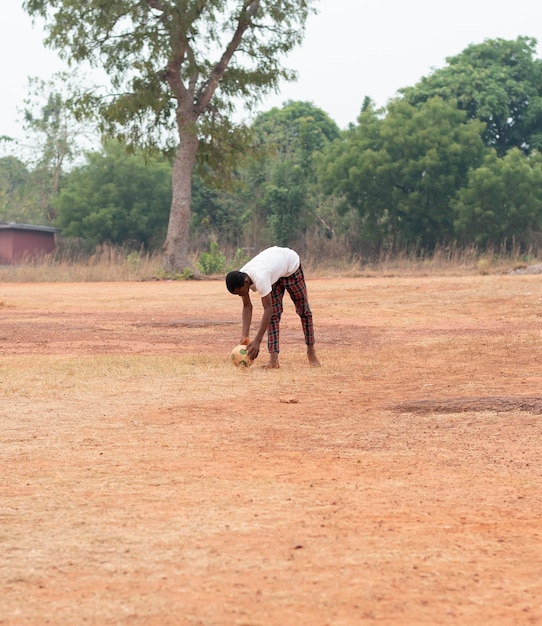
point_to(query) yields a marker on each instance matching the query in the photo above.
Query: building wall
(17, 245)
(6, 246)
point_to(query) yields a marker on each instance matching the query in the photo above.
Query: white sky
(352, 49)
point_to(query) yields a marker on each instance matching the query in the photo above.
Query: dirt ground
(146, 481)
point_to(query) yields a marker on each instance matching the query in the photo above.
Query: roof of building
(16, 226)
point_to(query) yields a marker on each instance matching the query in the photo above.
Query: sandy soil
(146, 481)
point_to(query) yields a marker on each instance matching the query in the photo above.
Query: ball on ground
(239, 356)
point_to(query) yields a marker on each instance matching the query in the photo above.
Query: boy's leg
(297, 288)
(273, 331)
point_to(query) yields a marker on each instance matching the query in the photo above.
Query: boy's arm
(246, 318)
(254, 345)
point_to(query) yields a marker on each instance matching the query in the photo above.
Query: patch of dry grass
(106, 264)
(443, 261)
(110, 264)
(44, 378)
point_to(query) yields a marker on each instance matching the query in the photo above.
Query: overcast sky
(352, 49)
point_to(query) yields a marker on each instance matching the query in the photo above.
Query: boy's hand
(253, 349)
(245, 341)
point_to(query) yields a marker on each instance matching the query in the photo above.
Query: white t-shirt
(268, 266)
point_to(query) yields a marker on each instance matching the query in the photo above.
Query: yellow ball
(239, 356)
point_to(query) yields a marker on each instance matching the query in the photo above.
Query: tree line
(455, 159)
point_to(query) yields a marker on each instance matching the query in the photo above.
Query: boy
(271, 272)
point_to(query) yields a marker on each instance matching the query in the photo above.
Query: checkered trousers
(296, 287)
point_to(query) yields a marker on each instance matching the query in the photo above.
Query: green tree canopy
(502, 201)
(298, 128)
(498, 82)
(400, 170)
(283, 179)
(217, 215)
(116, 197)
(177, 68)
(14, 180)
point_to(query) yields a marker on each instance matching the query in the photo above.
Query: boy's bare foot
(273, 362)
(311, 355)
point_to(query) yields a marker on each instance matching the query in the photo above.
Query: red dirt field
(148, 482)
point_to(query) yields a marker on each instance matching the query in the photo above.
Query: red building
(19, 242)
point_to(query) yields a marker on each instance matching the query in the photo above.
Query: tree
(298, 128)
(400, 170)
(285, 173)
(52, 135)
(117, 198)
(502, 202)
(286, 198)
(158, 55)
(498, 82)
(216, 215)
(14, 179)
(30, 182)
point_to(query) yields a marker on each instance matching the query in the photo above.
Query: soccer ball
(239, 356)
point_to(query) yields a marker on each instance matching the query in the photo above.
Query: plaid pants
(296, 287)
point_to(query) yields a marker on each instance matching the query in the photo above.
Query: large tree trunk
(176, 247)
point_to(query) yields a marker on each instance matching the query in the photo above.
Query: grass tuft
(113, 264)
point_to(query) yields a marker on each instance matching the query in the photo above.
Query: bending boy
(271, 273)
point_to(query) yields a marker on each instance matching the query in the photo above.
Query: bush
(212, 262)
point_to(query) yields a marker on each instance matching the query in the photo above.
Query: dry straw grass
(106, 264)
(443, 261)
(108, 384)
(113, 264)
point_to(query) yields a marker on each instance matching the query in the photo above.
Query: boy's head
(235, 280)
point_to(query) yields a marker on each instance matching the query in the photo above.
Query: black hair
(235, 280)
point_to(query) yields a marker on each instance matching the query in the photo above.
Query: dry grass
(110, 264)
(95, 386)
(448, 261)
(105, 264)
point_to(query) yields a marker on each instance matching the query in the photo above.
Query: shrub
(212, 262)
